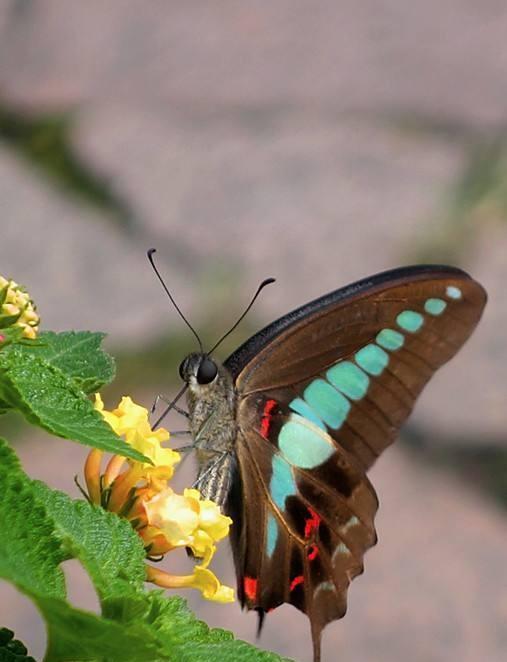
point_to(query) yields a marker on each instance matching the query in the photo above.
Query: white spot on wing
(341, 549)
(353, 521)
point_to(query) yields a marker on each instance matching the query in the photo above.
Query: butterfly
(286, 429)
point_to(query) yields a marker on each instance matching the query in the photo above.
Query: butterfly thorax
(212, 421)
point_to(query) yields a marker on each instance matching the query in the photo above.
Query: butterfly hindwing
(321, 393)
(313, 525)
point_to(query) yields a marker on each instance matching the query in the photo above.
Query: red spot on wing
(311, 523)
(296, 582)
(266, 417)
(313, 552)
(250, 588)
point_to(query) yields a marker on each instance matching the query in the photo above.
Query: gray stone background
(314, 141)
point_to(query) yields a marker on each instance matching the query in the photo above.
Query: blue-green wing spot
(410, 320)
(271, 534)
(349, 379)
(390, 339)
(453, 292)
(301, 407)
(372, 359)
(282, 484)
(330, 405)
(435, 306)
(303, 445)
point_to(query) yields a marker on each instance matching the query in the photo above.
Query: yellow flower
(211, 520)
(187, 521)
(131, 421)
(163, 519)
(202, 579)
(175, 516)
(17, 308)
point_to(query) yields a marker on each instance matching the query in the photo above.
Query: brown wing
(303, 542)
(335, 332)
(321, 393)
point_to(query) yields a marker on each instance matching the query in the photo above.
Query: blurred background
(317, 142)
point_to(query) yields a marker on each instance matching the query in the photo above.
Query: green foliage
(12, 650)
(78, 355)
(106, 545)
(30, 553)
(37, 379)
(47, 381)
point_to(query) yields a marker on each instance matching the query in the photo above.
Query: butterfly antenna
(265, 282)
(152, 262)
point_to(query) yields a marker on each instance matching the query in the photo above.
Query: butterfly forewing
(321, 392)
(377, 345)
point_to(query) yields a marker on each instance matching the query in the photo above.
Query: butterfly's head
(198, 370)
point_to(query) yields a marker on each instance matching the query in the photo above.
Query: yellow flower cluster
(163, 519)
(131, 421)
(17, 309)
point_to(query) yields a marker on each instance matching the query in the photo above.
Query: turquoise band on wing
(349, 379)
(282, 484)
(390, 339)
(435, 306)
(326, 403)
(372, 359)
(302, 408)
(453, 292)
(410, 320)
(303, 445)
(330, 405)
(271, 534)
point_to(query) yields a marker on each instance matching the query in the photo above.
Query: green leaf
(158, 629)
(30, 552)
(8, 320)
(12, 334)
(3, 294)
(8, 459)
(181, 635)
(78, 355)
(106, 544)
(47, 397)
(75, 635)
(12, 650)
(41, 528)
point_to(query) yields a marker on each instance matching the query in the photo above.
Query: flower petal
(175, 516)
(210, 587)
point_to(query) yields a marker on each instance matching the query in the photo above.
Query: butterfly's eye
(206, 372)
(182, 369)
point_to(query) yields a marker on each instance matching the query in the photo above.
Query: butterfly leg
(185, 449)
(209, 469)
(181, 411)
(160, 397)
